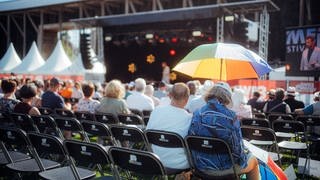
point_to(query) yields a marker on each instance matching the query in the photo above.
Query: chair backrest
(46, 124)
(86, 153)
(84, 115)
(288, 126)
(131, 134)
(64, 112)
(137, 112)
(107, 118)
(98, 129)
(259, 115)
(24, 122)
(137, 161)
(46, 111)
(211, 146)
(14, 136)
(130, 119)
(47, 144)
(5, 119)
(258, 133)
(71, 124)
(308, 120)
(276, 116)
(164, 139)
(146, 116)
(255, 122)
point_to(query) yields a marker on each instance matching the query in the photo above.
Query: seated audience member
(149, 92)
(113, 101)
(256, 102)
(51, 98)
(270, 95)
(27, 93)
(277, 105)
(8, 101)
(36, 101)
(161, 90)
(172, 118)
(77, 91)
(193, 89)
(239, 105)
(199, 101)
(222, 123)
(138, 100)
(312, 109)
(87, 103)
(291, 101)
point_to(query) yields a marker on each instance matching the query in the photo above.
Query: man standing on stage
(310, 59)
(165, 73)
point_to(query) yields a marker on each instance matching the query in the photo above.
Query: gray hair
(140, 84)
(219, 93)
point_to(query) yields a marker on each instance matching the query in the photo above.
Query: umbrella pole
(221, 68)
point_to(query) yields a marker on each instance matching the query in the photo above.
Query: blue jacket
(215, 120)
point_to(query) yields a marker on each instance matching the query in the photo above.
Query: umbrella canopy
(223, 62)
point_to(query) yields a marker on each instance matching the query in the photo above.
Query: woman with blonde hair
(113, 101)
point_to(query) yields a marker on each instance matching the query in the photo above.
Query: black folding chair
(264, 138)
(260, 115)
(131, 119)
(255, 122)
(64, 112)
(146, 116)
(72, 125)
(289, 134)
(24, 122)
(106, 118)
(128, 136)
(278, 116)
(46, 124)
(85, 158)
(210, 146)
(137, 164)
(99, 130)
(84, 115)
(168, 140)
(14, 137)
(46, 111)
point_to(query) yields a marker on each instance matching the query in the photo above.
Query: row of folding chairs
(81, 160)
(136, 117)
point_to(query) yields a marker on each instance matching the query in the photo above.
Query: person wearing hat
(312, 109)
(277, 105)
(215, 119)
(291, 101)
(51, 98)
(27, 93)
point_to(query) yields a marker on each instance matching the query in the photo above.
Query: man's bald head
(179, 92)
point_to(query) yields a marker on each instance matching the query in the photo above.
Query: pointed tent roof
(10, 60)
(76, 68)
(57, 61)
(30, 62)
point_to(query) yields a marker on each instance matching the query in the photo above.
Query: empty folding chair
(24, 122)
(131, 119)
(72, 125)
(137, 164)
(276, 116)
(255, 122)
(84, 159)
(107, 118)
(127, 136)
(289, 134)
(211, 146)
(259, 115)
(14, 137)
(264, 138)
(84, 115)
(164, 139)
(64, 112)
(46, 124)
(100, 131)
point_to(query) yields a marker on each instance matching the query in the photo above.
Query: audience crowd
(209, 109)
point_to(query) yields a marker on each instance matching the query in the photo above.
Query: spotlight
(196, 33)
(108, 38)
(174, 39)
(149, 36)
(172, 52)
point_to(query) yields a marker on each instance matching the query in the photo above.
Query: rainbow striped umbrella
(222, 61)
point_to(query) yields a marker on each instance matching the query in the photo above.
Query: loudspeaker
(85, 46)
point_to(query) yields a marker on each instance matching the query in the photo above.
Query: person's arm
(34, 111)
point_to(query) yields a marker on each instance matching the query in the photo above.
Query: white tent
(30, 62)
(57, 61)
(75, 69)
(10, 60)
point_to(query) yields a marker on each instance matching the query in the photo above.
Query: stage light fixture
(108, 38)
(149, 36)
(229, 18)
(196, 33)
(174, 39)
(172, 52)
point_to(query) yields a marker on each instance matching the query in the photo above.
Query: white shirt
(172, 119)
(195, 104)
(139, 101)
